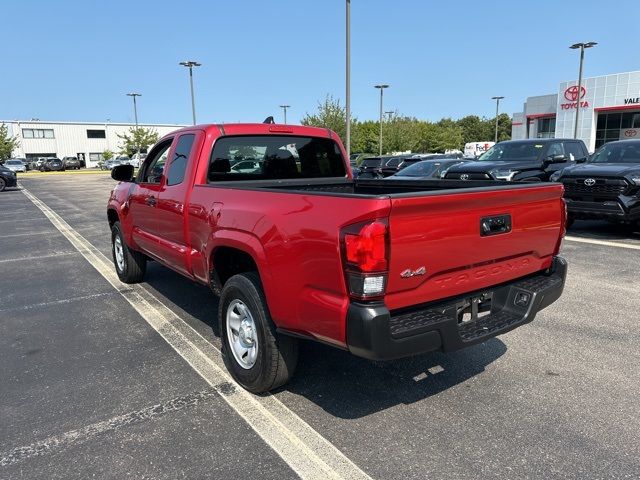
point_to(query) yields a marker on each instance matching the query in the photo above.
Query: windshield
(13, 162)
(618, 153)
(520, 151)
(420, 169)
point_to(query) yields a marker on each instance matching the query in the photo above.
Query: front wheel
(3, 184)
(130, 265)
(257, 356)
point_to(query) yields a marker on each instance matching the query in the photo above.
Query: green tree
(476, 129)
(107, 155)
(330, 115)
(504, 127)
(137, 138)
(7, 143)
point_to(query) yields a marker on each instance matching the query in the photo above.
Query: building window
(609, 125)
(96, 134)
(37, 133)
(547, 127)
(95, 157)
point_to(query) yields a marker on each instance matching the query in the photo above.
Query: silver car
(15, 165)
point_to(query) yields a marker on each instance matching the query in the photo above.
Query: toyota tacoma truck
(296, 249)
(607, 187)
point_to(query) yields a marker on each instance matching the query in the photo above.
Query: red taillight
(365, 256)
(367, 249)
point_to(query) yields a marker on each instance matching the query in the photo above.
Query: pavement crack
(74, 437)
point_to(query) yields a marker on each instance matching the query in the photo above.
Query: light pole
(135, 114)
(284, 107)
(382, 86)
(581, 46)
(348, 78)
(497, 99)
(190, 64)
(389, 113)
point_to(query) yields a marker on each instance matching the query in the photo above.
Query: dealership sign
(627, 133)
(573, 96)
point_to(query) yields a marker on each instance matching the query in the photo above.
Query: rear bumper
(624, 209)
(375, 333)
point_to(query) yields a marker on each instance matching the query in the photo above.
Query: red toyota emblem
(630, 133)
(571, 93)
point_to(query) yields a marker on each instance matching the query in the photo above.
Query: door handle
(151, 201)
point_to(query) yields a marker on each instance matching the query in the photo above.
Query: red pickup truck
(271, 219)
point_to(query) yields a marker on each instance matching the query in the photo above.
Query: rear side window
(394, 162)
(555, 149)
(180, 159)
(266, 157)
(371, 162)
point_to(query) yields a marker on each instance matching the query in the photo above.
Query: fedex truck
(475, 149)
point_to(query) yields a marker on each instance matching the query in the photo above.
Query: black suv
(522, 160)
(607, 187)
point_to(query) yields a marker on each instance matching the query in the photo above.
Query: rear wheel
(570, 221)
(130, 265)
(257, 356)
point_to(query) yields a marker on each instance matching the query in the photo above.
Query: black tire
(277, 355)
(3, 184)
(134, 264)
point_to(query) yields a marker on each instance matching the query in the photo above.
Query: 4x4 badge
(408, 273)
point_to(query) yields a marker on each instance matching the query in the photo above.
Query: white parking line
(603, 242)
(305, 450)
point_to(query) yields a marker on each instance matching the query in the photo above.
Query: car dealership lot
(89, 387)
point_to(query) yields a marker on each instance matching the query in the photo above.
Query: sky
(73, 60)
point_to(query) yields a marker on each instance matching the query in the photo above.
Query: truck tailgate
(444, 234)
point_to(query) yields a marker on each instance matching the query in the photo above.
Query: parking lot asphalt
(88, 387)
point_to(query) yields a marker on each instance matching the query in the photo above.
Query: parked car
(72, 163)
(607, 187)
(522, 160)
(427, 169)
(113, 162)
(52, 165)
(372, 167)
(246, 166)
(15, 165)
(8, 178)
(137, 159)
(385, 269)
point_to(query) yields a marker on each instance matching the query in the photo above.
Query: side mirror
(122, 173)
(556, 158)
(581, 160)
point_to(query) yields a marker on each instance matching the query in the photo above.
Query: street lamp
(190, 64)
(382, 86)
(284, 107)
(497, 99)
(135, 114)
(348, 78)
(581, 46)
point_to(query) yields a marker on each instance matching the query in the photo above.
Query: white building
(609, 110)
(72, 139)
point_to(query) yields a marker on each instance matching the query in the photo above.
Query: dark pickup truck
(607, 187)
(531, 160)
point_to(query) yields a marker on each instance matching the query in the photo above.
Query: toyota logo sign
(630, 133)
(464, 176)
(590, 182)
(571, 93)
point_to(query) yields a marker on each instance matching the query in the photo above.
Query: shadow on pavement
(603, 230)
(349, 387)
